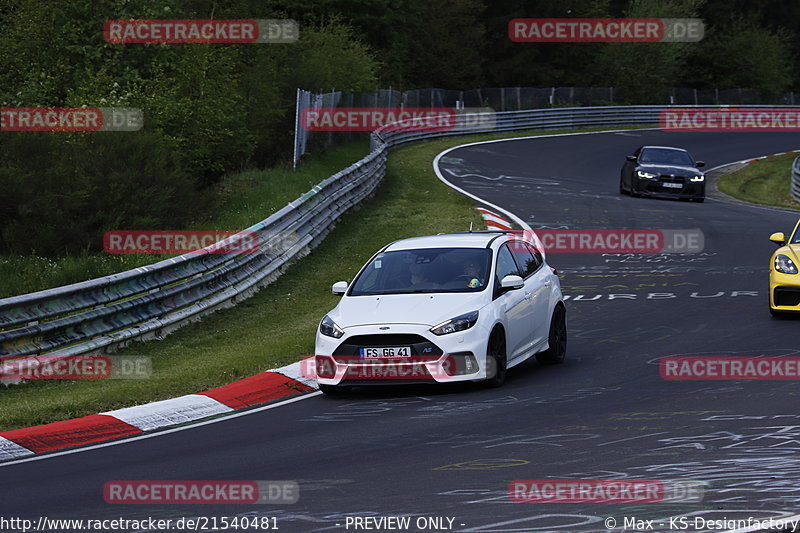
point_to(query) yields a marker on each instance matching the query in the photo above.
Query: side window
(527, 261)
(537, 256)
(505, 264)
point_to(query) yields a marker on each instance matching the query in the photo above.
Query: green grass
(276, 326)
(241, 200)
(765, 181)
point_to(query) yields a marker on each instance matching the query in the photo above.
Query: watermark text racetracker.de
(176, 242)
(604, 491)
(76, 367)
(71, 119)
(396, 118)
(139, 31)
(617, 240)
(711, 119)
(717, 368)
(601, 30)
(208, 492)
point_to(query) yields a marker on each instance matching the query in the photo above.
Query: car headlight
(329, 328)
(697, 178)
(646, 175)
(459, 323)
(785, 265)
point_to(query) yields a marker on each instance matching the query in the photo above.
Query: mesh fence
(504, 99)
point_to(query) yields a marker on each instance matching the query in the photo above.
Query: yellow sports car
(784, 280)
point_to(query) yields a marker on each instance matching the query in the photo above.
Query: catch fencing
(508, 99)
(796, 178)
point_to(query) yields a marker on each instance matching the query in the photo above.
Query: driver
(473, 270)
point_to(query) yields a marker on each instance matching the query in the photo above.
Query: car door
(537, 285)
(514, 305)
(541, 281)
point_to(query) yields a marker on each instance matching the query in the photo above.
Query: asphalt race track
(605, 413)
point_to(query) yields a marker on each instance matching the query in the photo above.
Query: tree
(643, 71)
(742, 54)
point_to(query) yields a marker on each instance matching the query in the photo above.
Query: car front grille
(671, 179)
(421, 347)
(787, 296)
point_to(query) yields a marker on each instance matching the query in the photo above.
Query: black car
(663, 171)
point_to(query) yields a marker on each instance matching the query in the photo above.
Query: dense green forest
(212, 109)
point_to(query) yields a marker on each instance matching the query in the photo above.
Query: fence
(509, 99)
(796, 178)
(105, 313)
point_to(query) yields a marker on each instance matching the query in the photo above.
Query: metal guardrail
(102, 314)
(796, 178)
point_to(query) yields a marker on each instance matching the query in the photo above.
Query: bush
(64, 191)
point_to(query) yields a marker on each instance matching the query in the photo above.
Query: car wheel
(621, 188)
(496, 359)
(557, 339)
(333, 390)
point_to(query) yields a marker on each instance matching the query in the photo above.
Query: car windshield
(796, 237)
(425, 270)
(665, 156)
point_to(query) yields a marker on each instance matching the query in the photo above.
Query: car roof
(666, 148)
(474, 239)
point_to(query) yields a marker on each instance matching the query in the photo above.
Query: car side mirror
(778, 238)
(631, 158)
(699, 164)
(339, 288)
(512, 282)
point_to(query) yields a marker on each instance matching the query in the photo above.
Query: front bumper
(657, 188)
(784, 292)
(455, 357)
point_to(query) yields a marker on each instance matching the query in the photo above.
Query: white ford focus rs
(445, 308)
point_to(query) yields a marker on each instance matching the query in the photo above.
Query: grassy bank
(765, 181)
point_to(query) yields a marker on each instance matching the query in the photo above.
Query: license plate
(673, 185)
(394, 351)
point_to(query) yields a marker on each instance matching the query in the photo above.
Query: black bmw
(663, 171)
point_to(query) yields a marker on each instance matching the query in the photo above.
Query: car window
(665, 156)
(527, 262)
(537, 256)
(425, 270)
(506, 266)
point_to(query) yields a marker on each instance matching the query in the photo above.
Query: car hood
(427, 309)
(678, 170)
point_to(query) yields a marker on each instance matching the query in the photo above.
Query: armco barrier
(102, 314)
(796, 178)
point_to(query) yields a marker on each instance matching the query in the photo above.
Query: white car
(444, 308)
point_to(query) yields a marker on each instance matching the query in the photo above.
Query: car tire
(496, 359)
(557, 339)
(621, 188)
(333, 390)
